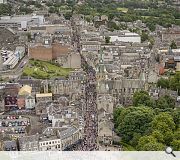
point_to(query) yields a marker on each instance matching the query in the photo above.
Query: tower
(101, 68)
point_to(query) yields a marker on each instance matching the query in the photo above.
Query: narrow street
(90, 137)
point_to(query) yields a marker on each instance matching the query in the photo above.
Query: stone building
(170, 35)
(30, 102)
(58, 139)
(10, 96)
(105, 101)
(10, 145)
(43, 97)
(34, 83)
(62, 87)
(48, 52)
(29, 143)
(122, 90)
(105, 132)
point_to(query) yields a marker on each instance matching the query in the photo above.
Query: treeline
(147, 11)
(149, 125)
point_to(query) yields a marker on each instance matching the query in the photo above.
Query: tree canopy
(142, 98)
(5, 9)
(149, 128)
(173, 45)
(131, 119)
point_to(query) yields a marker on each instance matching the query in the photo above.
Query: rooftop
(25, 90)
(44, 95)
(67, 133)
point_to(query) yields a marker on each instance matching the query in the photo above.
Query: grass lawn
(123, 9)
(45, 70)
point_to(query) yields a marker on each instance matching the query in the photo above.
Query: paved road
(90, 137)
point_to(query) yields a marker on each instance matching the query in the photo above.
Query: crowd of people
(90, 114)
(89, 141)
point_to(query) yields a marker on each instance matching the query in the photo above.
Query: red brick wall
(41, 53)
(59, 50)
(48, 53)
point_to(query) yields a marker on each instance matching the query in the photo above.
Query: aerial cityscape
(89, 75)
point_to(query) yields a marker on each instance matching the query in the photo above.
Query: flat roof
(11, 60)
(44, 95)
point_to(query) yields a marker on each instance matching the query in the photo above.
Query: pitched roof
(67, 133)
(25, 90)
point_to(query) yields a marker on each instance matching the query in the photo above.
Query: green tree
(113, 26)
(153, 147)
(25, 10)
(144, 36)
(117, 113)
(176, 117)
(149, 143)
(173, 45)
(174, 82)
(38, 5)
(142, 98)
(165, 102)
(135, 139)
(88, 19)
(163, 122)
(158, 135)
(68, 15)
(29, 37)
(176, 140)
(132, 123)
(52, 9)
(5, 9)
(176, 145)
(164, 83)
(107, 39)
(168, 137)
